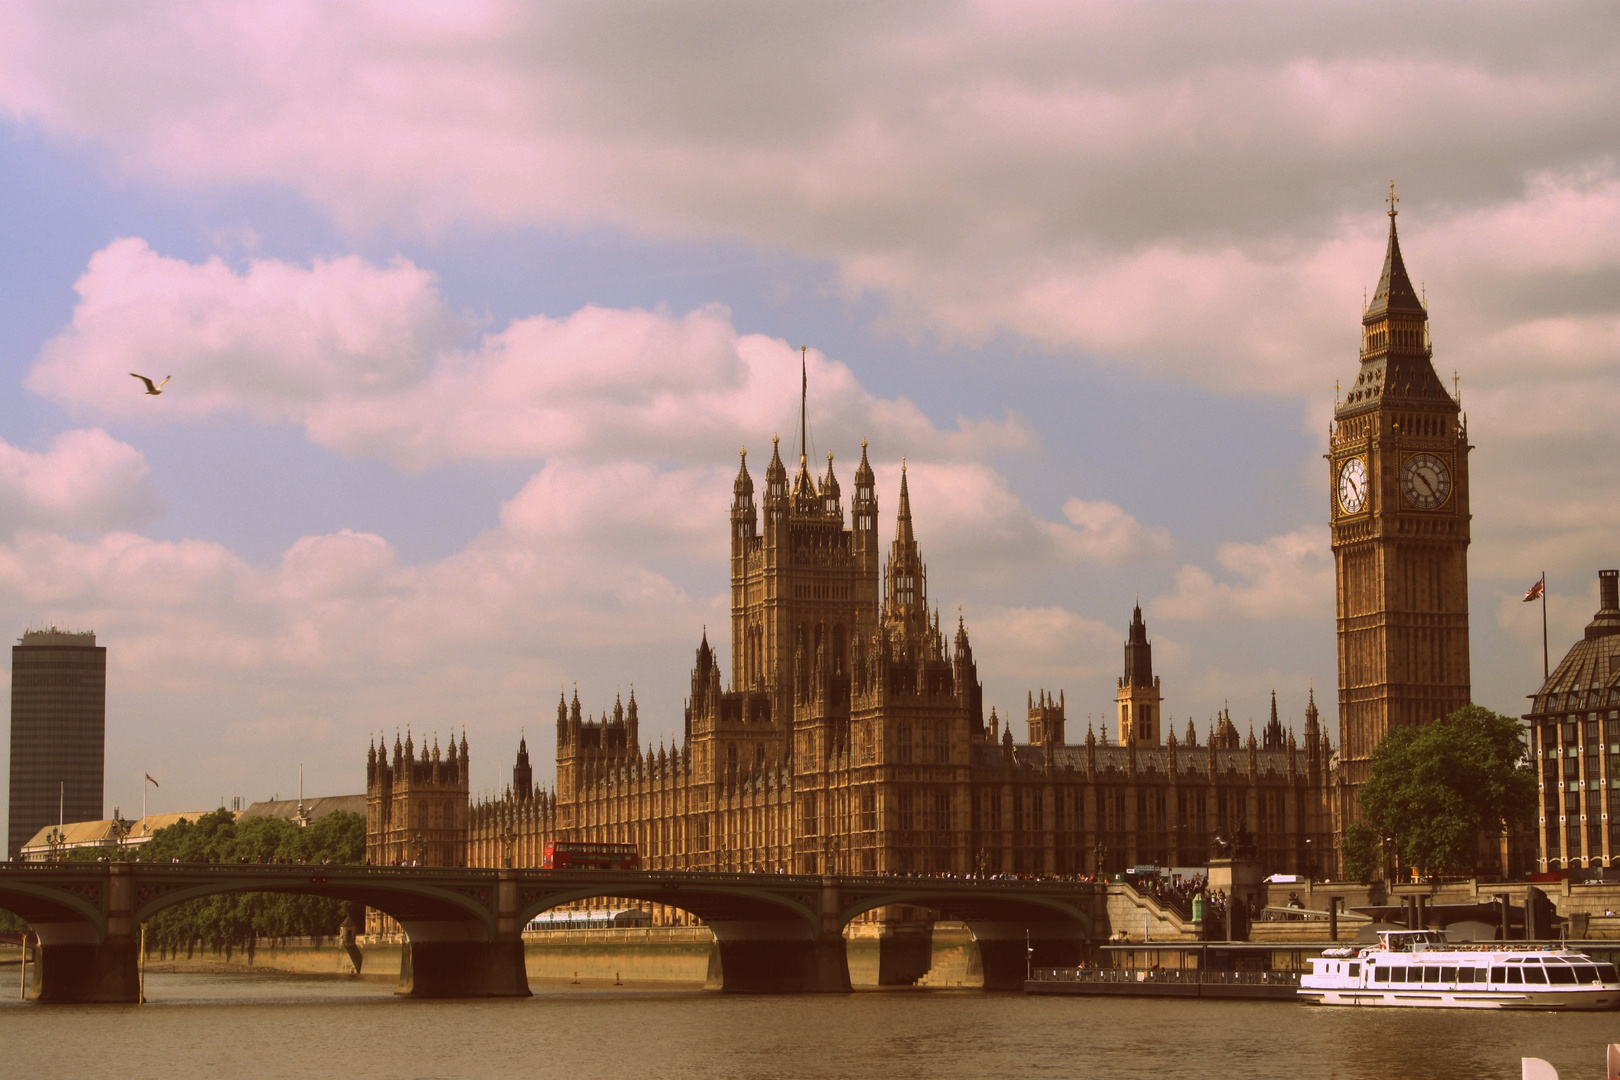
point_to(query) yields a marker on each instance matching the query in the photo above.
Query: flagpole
(1545, 672)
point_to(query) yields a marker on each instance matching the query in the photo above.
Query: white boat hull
(1419, 969)
(1573, 1000)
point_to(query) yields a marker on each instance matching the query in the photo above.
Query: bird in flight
(150, 388)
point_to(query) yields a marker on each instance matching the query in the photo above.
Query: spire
(1138, 653)
(902, 517)
(1394, 292)
(804, 399)
(863, 471)
(830, 491)
(744, 487)
(776, 473)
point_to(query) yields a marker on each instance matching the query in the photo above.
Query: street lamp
(419, 844)
(506, 838)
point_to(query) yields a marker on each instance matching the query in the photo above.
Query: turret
(864, 510)
(744, 516)
(1137, 693)
(776, 492)
(969, 691)
(522, 774)
(905, 597)
(1273, 739)
(832, 505)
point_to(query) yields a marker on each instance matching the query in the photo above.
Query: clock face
(1425, 481)
(1353, 485)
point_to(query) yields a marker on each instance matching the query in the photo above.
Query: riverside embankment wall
(669, 956)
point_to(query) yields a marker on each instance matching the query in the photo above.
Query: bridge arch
(1014, 928)
(770, 939)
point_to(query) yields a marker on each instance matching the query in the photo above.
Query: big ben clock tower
(1398, 464)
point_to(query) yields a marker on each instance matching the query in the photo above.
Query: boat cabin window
(1380, 974)
(1433, 974)
(1535, 975)
(1448, 974)
(1563, 975)
(1469, 975)
(1355, 970)
(1585, 973)
(1606, 973)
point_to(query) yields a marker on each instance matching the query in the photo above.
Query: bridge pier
(777, 956)
(785, 956)
(462, 969)
(1004, 949)
(82, 972)
(459, 959)
(79, 962)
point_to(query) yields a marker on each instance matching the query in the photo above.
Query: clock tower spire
(1398, 481)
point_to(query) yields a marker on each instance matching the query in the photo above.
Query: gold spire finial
(1392, 200)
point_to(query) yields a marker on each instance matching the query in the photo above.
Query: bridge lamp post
(1310, 862)
(506, 838)
(419, 845)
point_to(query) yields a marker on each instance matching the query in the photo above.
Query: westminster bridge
(777, 933)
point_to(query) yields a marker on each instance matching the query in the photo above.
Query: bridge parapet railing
(1167, 901)
(1167, 976)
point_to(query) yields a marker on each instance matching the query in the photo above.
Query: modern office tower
(58, 731)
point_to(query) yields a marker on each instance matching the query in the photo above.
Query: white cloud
(1106, 533)
(1182, 190)
(1286, 577)
(368, 360)
(1172, 186)
(84, 480)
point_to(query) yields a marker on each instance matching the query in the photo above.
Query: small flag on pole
(1536, 590)
(151, 781)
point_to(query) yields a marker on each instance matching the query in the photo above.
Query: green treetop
(1435, 790)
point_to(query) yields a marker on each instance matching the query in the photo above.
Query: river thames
(283, 1026)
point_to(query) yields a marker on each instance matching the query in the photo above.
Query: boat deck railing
(1170, 976)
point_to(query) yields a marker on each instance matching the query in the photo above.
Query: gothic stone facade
(852, 739)
(1398, 476)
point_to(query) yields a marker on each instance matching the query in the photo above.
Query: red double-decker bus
(571, 855)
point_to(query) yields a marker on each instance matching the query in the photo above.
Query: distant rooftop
(55, 635)
(106, 833)
(314, 809)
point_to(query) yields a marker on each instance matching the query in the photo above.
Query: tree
(1437, 789)
(1360, 850)
(238, 918)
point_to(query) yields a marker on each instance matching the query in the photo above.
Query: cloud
(1181, 191)
(1106, 533)
(370, 360)
(1286, 577)
(85, 480)
(1165, 185)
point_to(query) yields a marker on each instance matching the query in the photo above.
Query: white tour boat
(1418, 968)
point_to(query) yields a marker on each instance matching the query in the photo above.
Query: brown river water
(311, 1028)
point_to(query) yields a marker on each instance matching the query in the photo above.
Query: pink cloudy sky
(470, 306)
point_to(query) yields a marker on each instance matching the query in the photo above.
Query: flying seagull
(150, 388)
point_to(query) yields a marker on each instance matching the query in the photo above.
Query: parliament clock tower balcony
(1398, 491)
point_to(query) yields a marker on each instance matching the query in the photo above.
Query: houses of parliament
(843, 728)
